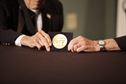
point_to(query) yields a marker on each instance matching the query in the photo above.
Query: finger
(37, 44)
(90, 49)
(81, 48)
(47, 37)
(45, 43)
(42, 40)
(31, 42)
(71, 45)
(39, 40)
(75, 48)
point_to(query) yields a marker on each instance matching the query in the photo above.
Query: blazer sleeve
(7, 33)
(121, 41)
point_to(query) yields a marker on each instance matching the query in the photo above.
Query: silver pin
(48, 16)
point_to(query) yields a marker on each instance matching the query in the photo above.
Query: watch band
(102, 44)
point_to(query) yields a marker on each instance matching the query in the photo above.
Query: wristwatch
(101, 44)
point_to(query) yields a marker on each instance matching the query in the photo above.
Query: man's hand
(81, 43)
(40, 39)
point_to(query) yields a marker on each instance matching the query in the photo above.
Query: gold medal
(59, 41)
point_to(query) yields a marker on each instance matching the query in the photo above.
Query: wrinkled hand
(40, 39)
(81, 43)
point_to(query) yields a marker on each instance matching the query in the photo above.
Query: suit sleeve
(121, 41)
(7, 34)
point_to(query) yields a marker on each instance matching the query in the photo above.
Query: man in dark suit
(27, 22)
(84, 44)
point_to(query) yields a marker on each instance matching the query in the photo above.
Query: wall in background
(121, 18)
(92, 18)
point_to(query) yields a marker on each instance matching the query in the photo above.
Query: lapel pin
(48, 16)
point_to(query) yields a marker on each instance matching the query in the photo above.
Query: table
(22, 65)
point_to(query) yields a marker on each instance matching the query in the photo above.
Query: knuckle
(80, 37)
(46, 35)
(38, 33)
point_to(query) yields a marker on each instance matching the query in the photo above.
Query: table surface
(20, 65)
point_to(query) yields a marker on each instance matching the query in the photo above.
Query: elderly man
(27, 22)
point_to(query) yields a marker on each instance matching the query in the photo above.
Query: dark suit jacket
(121, 41)
(9, 12)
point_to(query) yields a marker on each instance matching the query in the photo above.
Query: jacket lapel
(28, 20)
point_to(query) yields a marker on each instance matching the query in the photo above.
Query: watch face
(101, 42)
(59, 41)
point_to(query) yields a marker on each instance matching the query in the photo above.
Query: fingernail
(48, 49)
(50, 44)
(77, 50)
(38, 48)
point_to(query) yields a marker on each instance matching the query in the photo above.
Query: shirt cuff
(18, 40)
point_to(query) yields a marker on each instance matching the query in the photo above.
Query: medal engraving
(59, 41)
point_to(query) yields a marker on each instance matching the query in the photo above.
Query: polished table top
(22, 65)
